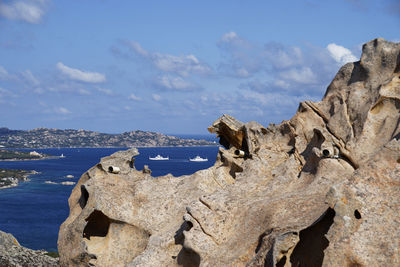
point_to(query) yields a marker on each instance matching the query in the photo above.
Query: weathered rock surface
(12, 254)
(322, 189)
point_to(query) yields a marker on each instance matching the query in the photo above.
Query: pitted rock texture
(322, 189)
(12, 254)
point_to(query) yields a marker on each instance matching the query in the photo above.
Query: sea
(34, 210)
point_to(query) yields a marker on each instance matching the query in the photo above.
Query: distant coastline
(42, 138)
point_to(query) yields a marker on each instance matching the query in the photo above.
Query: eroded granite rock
(321, 189)
(12, 254)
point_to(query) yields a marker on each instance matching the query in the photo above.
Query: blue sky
(175, 66)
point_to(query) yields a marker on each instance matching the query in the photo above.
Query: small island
(11, 178)
(14, 155)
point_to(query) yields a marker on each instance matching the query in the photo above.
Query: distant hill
(47, 138)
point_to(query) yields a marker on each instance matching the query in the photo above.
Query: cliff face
(320, 189)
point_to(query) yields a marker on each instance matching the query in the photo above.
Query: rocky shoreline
(11, 178)
(12, 254)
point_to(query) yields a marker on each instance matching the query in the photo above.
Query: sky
(175, 66)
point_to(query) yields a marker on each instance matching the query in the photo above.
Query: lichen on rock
(321, 189)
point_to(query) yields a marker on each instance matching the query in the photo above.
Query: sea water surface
(34, 211)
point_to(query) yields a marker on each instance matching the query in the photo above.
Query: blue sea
(34, 211)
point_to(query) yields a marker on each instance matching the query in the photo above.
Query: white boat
(62, 156)
(159, 157)
(198, 159)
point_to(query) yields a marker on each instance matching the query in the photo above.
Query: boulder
(12, 254)
(321, 189)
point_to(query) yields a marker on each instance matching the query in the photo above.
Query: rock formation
(12, 254)
(322, 189)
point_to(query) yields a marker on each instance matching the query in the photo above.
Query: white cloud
(255, 85)
(234, 39)
(156, 97)
(79, 75)
(340, 54)
(242, 72)
(182, 65)
(228, 37)
(3, 73)
(134, 97)
(281, 84)
(6, 93)
(62, 110)
(82, 91)
(138, 48)
(281, 56)
(303, 75)
(289, 68)
(3, 92)
(30, 11)
(105, 91)
(30, 78)
(174, 83)
(241, 58)
(274, 102)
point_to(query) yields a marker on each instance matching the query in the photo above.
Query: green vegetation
(10, 178)
(18, 155)
(19, 174)
(53, 254)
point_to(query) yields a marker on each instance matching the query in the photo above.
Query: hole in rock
(309, 251)
(311, 159)
(260, 242)
(398, 65)
(282, 262)
(179, 237)
(398, 160)
(84, 197)
(245, 148)
(326, 152)
(302, 107)
(132, 163)
(291, 151)
(186, 257)
(358, 74)
(97, 225)
(189, 226)
(234, 169)
(111, 169)
(357, 214)
(224, 142)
